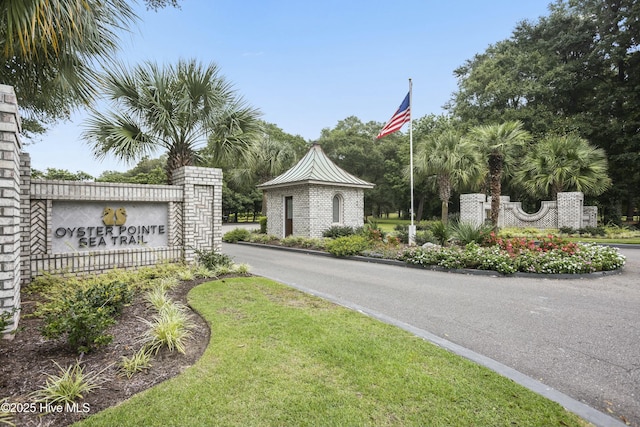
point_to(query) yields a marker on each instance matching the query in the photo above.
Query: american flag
(402, 116)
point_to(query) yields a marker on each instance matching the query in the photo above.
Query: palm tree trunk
(495, 177)
(421, 207)
(445, 212)
(555, 189)
(178, 156)
(444, 192)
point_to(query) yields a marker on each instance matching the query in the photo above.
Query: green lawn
(281, 357)
(626, 241)
(388, 224)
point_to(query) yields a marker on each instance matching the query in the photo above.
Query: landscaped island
(459, 246)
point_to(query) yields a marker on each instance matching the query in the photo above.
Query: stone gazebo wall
(313, 208)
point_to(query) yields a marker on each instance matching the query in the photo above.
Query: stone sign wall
(91, 226)
(567, 211)
(87, 227)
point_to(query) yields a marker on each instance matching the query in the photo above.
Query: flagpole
(412, 227)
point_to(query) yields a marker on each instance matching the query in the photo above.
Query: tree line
(553, 108)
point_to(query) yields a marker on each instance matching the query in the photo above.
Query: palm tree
(180, 109)
(50, 49)
(453, 161)
(563, 163)
(500, 143)
(268, 158)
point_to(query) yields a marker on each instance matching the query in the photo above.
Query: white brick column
(202, 210)
(9, 207)
(472, 208)
(570, 209)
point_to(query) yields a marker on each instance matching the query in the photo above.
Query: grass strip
(281, 357)
(602, 240)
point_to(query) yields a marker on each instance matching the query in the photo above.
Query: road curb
(583, 410)
(571, 404)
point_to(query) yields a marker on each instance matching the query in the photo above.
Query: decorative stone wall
(86, 227)
(313, 208)
(472, 208)
(190, 212)
(567, 211)
(10, 206)
(48, 196)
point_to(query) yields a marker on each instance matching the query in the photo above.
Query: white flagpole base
(412, 235)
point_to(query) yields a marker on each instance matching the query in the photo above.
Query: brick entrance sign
(87, 227)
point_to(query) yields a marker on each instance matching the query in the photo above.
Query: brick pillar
(202, 209)
(472, 208)
(570, 209)
(25, 219)
(9, 207)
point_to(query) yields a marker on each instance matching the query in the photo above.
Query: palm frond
(119, 136)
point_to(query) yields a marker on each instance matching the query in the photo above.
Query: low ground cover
(87, 343)
(460, 246)
(281, 357)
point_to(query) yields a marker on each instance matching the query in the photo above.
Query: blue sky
(309, 64)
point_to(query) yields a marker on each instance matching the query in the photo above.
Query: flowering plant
(548, 256)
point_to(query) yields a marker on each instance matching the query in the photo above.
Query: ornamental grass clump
(158, 298)
(465, 233)
(170, 328)
(69, 385)
(6, 418)
(139, 362)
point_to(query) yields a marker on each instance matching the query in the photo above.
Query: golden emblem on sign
(111, 217)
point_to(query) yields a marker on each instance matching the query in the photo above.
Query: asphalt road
(580, 337)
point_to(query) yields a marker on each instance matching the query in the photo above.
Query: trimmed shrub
(347, 245)
(236, 235)
(336, 231)
(402, 232)
(567, 230)
(262, 238)
(302, 242)
(84, 317)
(594, 231)
(211, 260)
(263, 224)
(424, 236)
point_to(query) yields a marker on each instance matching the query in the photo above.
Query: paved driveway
(578, 336)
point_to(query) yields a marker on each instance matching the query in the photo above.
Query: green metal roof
(316, 168)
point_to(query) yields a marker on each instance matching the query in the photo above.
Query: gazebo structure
(312, 196)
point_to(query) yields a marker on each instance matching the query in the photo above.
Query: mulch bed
(25, 361)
